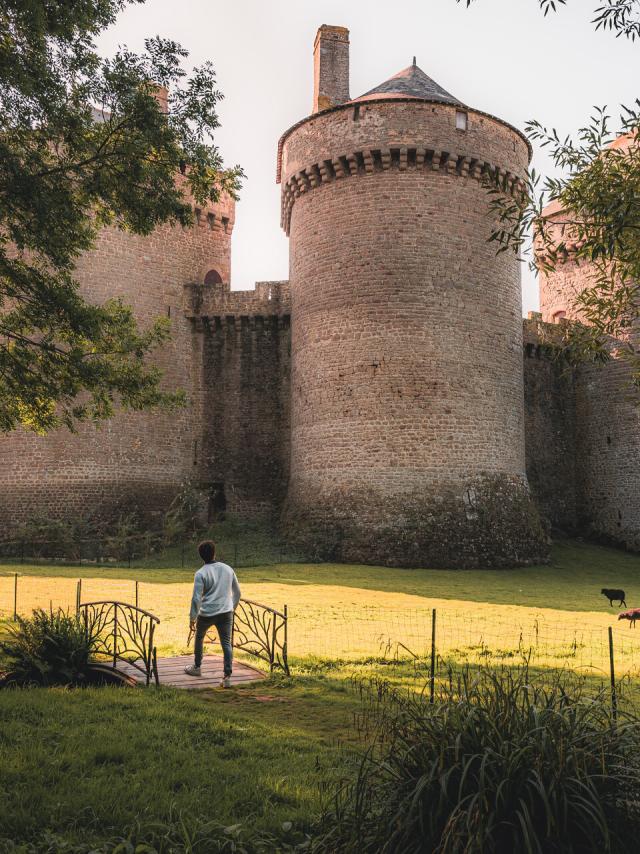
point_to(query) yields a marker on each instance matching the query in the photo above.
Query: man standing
(216, 594)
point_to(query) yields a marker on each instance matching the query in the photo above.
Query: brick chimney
(330, 67)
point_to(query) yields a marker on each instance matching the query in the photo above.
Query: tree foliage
(619, 16)
(84, 143)
(589, 216)
(595, 220)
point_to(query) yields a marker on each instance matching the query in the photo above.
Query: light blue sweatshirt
(215, 590)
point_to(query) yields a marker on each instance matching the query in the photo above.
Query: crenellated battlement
(541, 339)
(267, 299)
(370, 161)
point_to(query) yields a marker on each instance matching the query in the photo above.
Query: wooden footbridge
(126, 639)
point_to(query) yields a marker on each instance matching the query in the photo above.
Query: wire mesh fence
(331, 632)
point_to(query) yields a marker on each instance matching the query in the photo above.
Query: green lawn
(90, 763)
(571, 582)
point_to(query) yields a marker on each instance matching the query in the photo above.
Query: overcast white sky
(501, 56)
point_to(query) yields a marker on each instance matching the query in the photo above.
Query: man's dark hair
(207, 550)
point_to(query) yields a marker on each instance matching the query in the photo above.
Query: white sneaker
(192, 670)
(226, 682)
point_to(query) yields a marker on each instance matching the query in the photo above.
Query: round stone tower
(407, 389)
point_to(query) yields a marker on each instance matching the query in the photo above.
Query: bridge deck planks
(171, 672)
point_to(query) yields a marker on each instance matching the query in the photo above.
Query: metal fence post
(78, 595)
(285, 648)
(614, 698)
(432, 685)
(15, 596)
(115, 633)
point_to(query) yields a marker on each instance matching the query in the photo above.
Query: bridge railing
(124, 633)
(261, 631)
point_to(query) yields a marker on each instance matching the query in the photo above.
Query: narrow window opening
(461, 120)
(558, 316)
(356, 113)
(211, 219)
(225, 222)
(213, 277)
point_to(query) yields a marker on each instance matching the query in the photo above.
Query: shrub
(496, 765)
(187, 514)
(49, 648)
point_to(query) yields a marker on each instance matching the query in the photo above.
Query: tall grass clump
(48, 648)
(498, 764)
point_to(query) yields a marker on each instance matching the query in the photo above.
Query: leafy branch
(87, 142)
(619, 16)
(589, 217)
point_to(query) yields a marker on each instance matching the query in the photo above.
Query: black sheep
(614, 594)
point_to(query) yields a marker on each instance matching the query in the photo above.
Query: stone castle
(386, 404)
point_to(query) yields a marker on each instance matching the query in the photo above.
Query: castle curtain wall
(550, 431)
(134, 458)
(245, 369)
(608, 453)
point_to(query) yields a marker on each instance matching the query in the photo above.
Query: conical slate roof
(412, 82)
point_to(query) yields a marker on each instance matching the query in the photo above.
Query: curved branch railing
(124, 633)
(261, 631)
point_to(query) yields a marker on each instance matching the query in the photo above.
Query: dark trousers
(224, 625)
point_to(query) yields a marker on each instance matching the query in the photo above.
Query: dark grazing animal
(614, 595)
(632, 616)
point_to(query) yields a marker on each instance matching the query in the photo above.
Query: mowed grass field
(90, 765)
(351, 612)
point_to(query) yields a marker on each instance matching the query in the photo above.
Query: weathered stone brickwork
(407, 433)
(607, 410)
(550, 426)
(583, 442)
(136, 458)
(330, 67)
(379, 405)
(244, 451)
(607, 426)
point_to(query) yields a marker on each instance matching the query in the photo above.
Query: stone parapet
(367, 162)
(267, 299)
